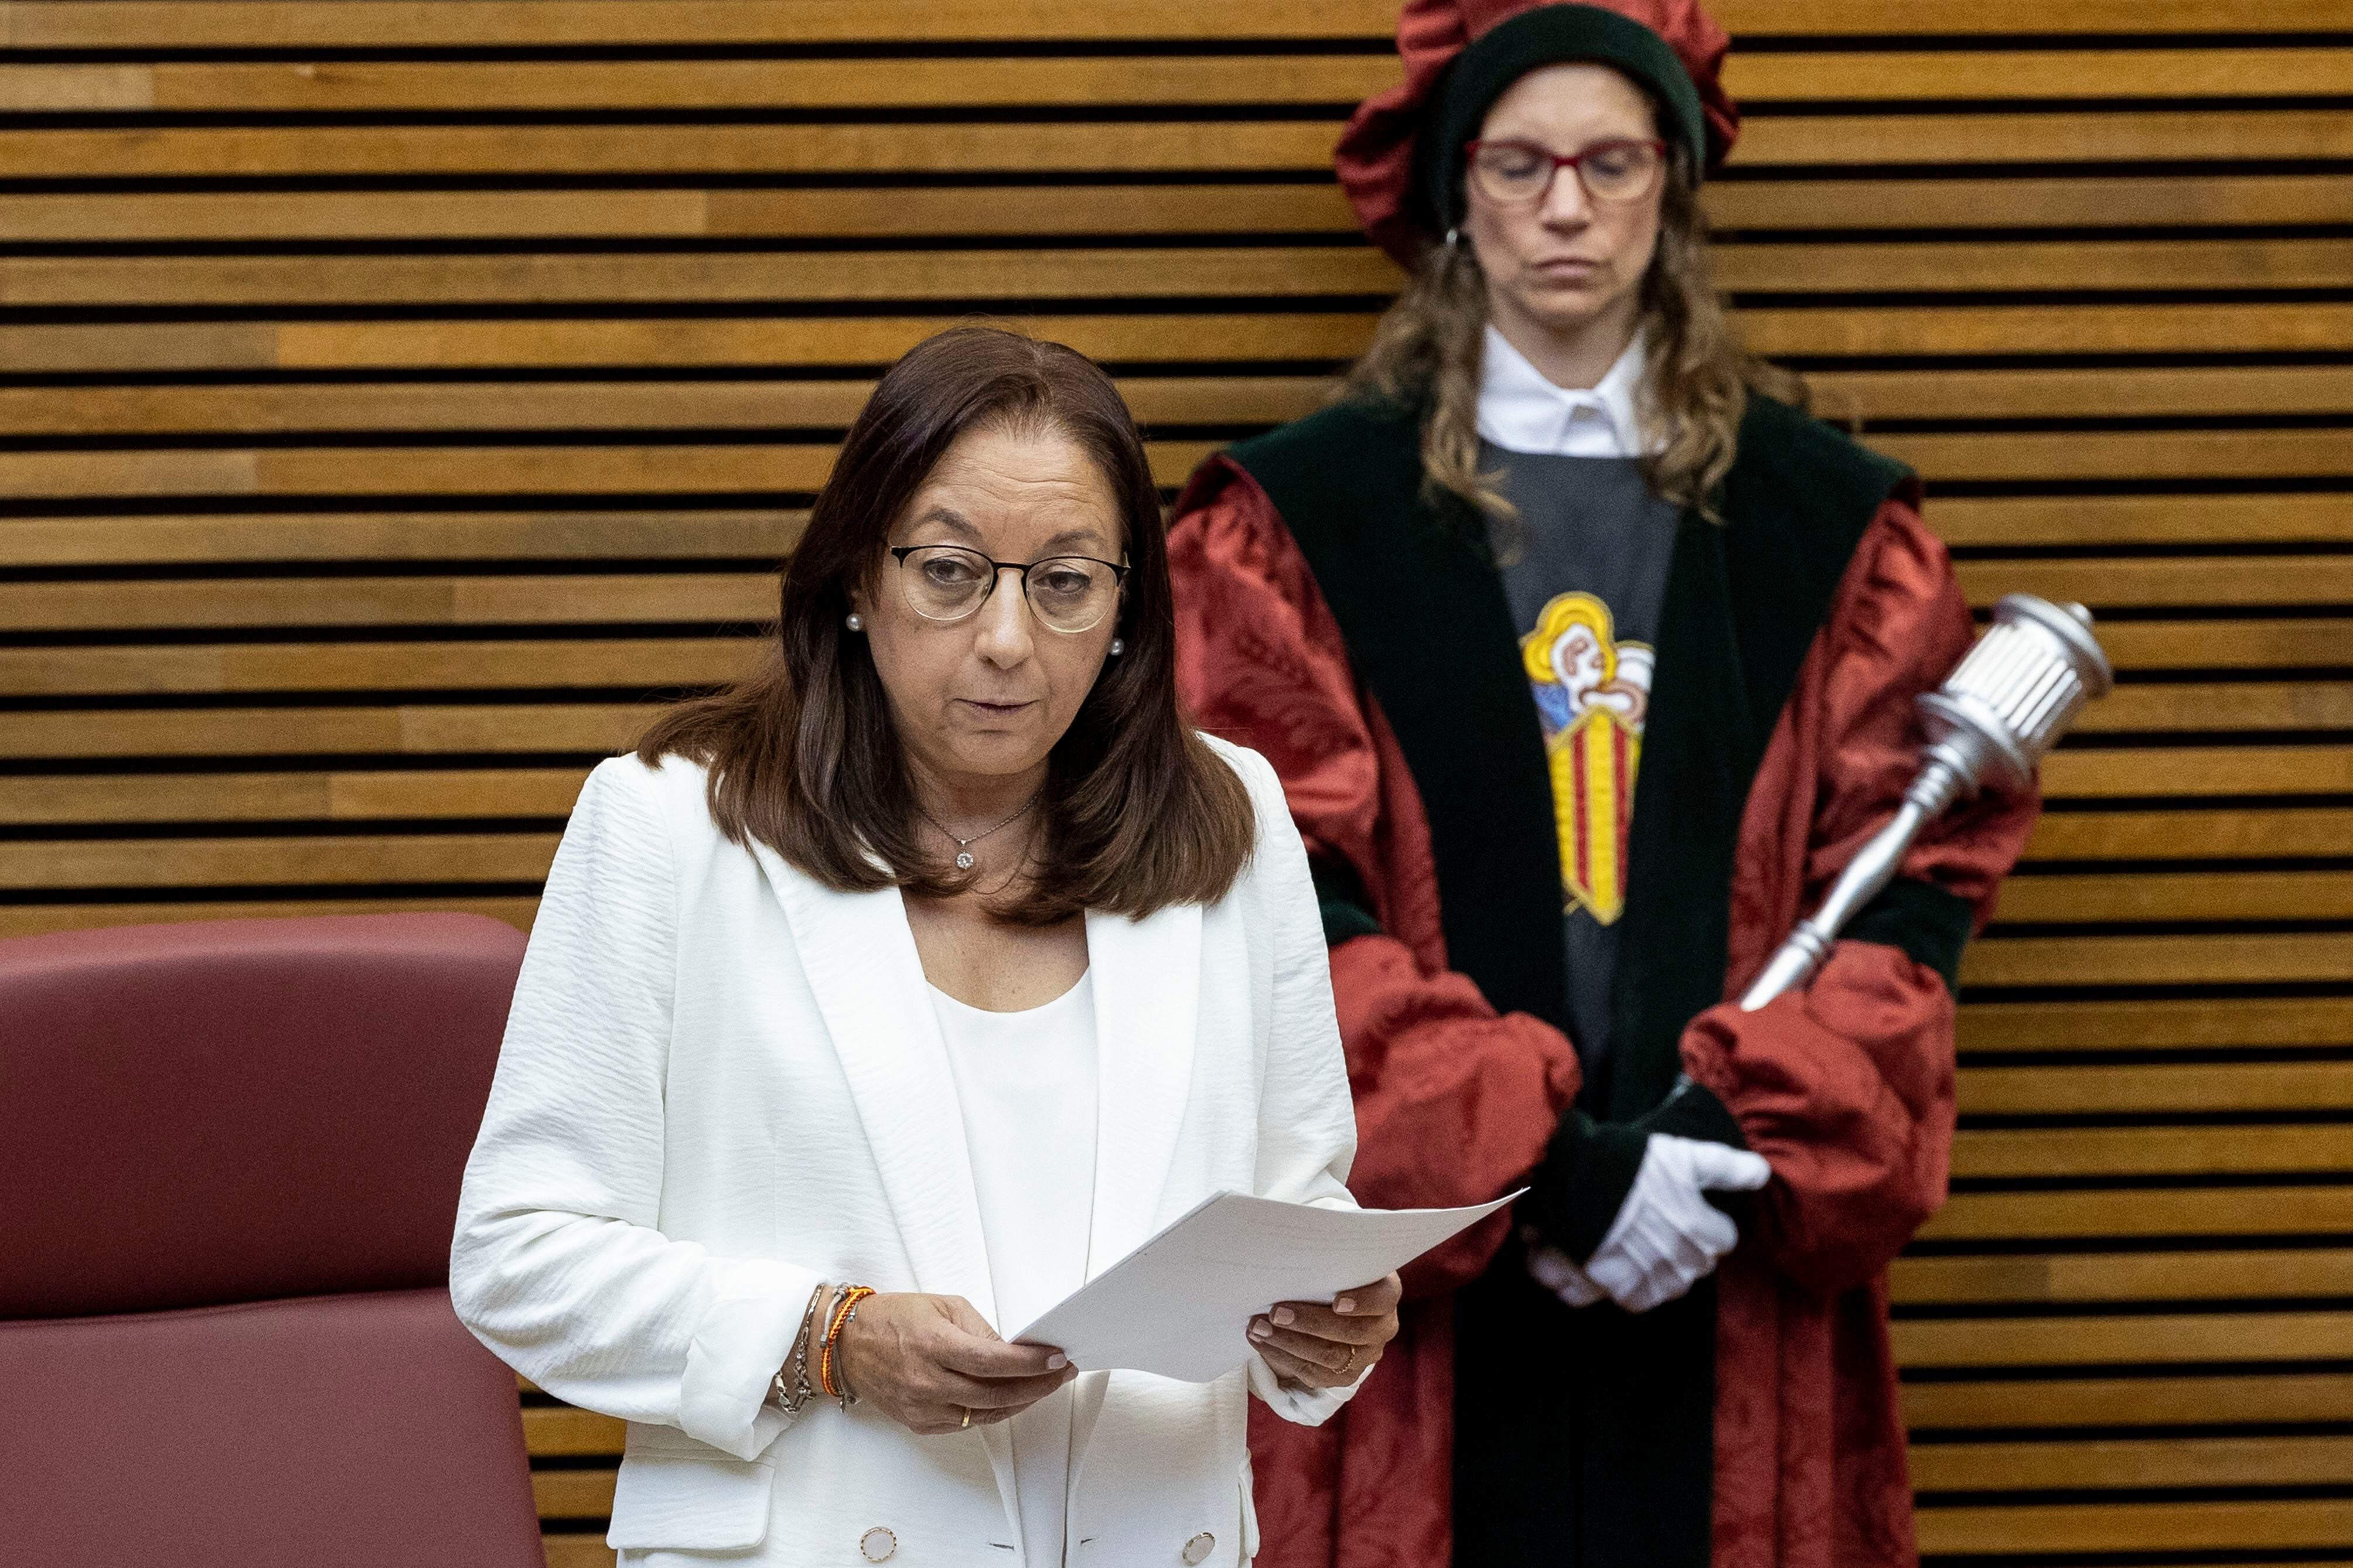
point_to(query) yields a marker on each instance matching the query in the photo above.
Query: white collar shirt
(1520, 411)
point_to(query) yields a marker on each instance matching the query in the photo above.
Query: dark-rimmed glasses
(1511, 172)
(948, 582)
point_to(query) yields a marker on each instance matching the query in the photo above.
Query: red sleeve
(1454, 1104)
(1847, 1087)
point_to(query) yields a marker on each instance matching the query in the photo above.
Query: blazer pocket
(679, 1495)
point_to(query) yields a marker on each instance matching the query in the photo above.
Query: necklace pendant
(964, 860)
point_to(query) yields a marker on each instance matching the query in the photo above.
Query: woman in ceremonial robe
(1586, 659)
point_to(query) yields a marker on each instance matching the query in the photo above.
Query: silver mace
(1997, 716)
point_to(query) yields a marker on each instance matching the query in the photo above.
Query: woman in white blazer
(885, 997)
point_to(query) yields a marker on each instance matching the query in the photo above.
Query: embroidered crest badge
(1592, 692)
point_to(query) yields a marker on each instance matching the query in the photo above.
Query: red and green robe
(1333, 619)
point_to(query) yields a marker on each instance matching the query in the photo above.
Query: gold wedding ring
(967, 1418)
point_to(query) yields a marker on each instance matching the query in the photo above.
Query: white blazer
(724, 1083)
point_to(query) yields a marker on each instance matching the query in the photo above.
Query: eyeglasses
(948, 582)
(1517, 174)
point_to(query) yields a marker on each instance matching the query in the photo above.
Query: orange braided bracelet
(843, 1305)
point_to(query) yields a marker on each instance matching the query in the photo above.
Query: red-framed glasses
(1513, 173)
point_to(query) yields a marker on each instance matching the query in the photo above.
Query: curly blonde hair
(1425, 352)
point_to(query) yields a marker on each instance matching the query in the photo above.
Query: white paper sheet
(1180, 1304)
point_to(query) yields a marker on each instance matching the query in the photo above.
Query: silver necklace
(964, 845)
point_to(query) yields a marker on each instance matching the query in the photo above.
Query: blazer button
(878, 1545)
(1198, 1550)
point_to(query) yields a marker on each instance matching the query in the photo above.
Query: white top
(1025, 1084)
(1520, 411)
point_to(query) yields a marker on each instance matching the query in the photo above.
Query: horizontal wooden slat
(1226, 146)
(275, 408)
(230, 603)
(2123, 1340)
(763, 343)
(36, 919)
(807, 277)
(577, 1550)
(2130, 455)
(2192, 835)
(2045, 265)
(2119, 1527)
(509, 728)
(1758, 81)
(2153, 1091)
(736, 468)
(2069, 1278)
(572, 1494)
(354, 23)
(420, 600)
(346, 859)
(213, 538)
(971, 209)
(846, 341)
(2267, 896)
(1112, 272)
(968, 209)
(1235, 400)
(2081, 774)
(2048, 330)
(538, 24)
(2203, 1025)
(2226, 960)
(91, 800)
(551, 1430)
(2114, 391)
(2198, 1150)
(2133, 1465)
(2220, 706)
(2189, 580)
(2226, 1211)
(420, 729)
(963, 82)
(645, 663)
(1898, 18)
(2147, 644)
(2130, 1402)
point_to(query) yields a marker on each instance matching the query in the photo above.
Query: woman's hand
(1328, 1347)
(927, 1361)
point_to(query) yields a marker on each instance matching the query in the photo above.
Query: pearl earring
(1118, 647)
(856, 623)
(1453, 237)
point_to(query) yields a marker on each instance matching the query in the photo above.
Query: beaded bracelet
(796, 1396)
(845, 1305)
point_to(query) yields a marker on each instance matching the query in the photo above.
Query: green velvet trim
(1576, 1194)
(1430, 632)
(1340, 895)
(1928, 922)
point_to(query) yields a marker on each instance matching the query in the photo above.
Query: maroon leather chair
(230, 1158)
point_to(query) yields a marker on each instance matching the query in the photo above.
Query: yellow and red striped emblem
(1592, 694)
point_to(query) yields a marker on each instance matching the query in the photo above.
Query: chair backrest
(231, 1154)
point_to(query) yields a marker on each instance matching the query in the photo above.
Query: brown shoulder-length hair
(1138, 813)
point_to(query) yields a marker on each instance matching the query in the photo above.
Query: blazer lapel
(859, 956)
(1147, 979)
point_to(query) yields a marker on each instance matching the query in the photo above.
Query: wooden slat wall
(397, 399)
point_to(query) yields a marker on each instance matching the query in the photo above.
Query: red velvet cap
(1376, 157)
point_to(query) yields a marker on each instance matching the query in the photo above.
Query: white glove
(1551, 1267)
(1667, 1237)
